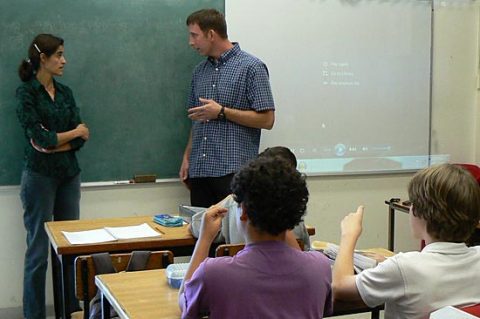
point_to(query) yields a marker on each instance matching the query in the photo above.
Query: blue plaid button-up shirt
(236, 80)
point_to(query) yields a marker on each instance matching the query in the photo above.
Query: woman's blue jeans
(44, 198)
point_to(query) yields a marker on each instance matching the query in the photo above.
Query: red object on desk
(473, 310)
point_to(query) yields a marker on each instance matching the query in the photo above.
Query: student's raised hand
(208, 111)
(212, 222)
(351, 225)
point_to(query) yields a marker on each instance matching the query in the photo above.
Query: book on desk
(362, 259)
(107, 234)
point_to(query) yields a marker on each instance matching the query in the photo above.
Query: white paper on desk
(129, 232)
(88, 236)
(360, 260)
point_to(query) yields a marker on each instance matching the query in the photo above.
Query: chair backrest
(473, 309)
(473, 169)
(85, 270)
(474, 240)
(232, 249)
(228, 250)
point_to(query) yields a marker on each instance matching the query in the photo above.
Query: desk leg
(391, 227)
(70, 302)
(57, 283)
(62, 270)
(376, 314)
(105, 308)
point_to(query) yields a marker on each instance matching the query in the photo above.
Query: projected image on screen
(351, 79)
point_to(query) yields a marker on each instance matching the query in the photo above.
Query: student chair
(232, 249)
(85, 288)
(475, 171)
(228, 250)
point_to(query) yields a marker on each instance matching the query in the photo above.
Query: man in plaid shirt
(230, 102)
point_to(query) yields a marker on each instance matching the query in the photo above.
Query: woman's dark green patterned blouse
(41, 119)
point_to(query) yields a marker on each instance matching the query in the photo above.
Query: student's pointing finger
(360, 209)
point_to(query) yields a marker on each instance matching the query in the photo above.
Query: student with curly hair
(445, 211)
(268, 278)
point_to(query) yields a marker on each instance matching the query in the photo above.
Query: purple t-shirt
(264, 280)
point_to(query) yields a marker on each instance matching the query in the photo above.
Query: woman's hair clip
(36, 47)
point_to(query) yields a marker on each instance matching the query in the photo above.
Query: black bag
(103, 265)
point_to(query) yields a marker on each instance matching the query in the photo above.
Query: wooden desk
(146, 295)
(177, 239)
(140, 294)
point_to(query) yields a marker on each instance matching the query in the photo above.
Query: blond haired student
(445, 211)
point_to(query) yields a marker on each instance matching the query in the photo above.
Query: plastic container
(168, 220)
(175, 274)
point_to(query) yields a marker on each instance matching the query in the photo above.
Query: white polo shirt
(414, 284)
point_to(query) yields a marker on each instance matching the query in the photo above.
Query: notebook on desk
(362, 259)
(107, 234)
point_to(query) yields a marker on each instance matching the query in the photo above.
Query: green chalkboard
(129, 66)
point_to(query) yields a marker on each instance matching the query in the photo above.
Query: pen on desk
(159, 230)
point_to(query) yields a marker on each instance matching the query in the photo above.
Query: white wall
(455, 130)
(455, 71)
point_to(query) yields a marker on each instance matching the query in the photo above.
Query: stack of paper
(360, 260)
(109, 234)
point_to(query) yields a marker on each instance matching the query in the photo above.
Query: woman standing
(50, 184)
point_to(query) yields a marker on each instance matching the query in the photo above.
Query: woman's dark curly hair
(274, 194)
(447, 197)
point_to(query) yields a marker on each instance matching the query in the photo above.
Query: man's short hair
(447, 197)
(282, 152)
(209, 19)
(274, 194)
